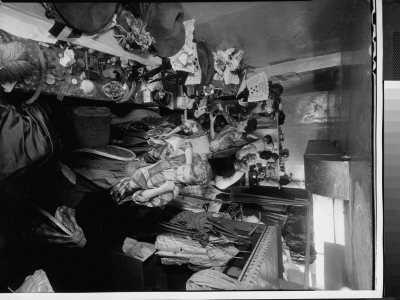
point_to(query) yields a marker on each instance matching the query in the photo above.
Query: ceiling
(273, 32)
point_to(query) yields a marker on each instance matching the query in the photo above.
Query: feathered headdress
(14, 62)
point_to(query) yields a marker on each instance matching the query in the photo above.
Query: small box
(133, 275)
(146, 96)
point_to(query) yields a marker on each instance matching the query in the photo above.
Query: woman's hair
(251, 125)
(268, 155)
(275, 90)
(268, 139)
(14, 62)
(223, 166)
(200, 173)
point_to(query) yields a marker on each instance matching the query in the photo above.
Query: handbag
(25, 139)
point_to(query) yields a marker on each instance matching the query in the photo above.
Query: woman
(225, 170)
(158, 184)
(144, 184)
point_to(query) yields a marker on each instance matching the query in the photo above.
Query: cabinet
(326, 173)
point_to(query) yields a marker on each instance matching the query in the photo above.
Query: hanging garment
(26, 139)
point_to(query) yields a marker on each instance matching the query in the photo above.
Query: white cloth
(187, 48)
(195, 77)
(257, 86)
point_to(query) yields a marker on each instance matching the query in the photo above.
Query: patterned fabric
(230, 131)
(222, 143)
(159, 149)
(151, 177)
(162, 150)
(229, 137)
(191, 66)
(180, 160)
(185, 145)
(196, 190)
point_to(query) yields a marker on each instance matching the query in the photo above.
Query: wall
(306, 119)
(273, 31)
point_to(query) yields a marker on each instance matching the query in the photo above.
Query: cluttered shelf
(77, 72)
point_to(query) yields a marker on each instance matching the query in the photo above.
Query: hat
(164, 21)
(88, 18)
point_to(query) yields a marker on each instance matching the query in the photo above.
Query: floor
(350, 124)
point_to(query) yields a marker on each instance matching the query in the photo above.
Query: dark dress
(223, 166)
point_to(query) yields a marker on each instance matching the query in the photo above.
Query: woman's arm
(188, 148)
(173, 131)
(223, 183)
(157, 196)
(148, 194)
(250, 135)
(212, 132)
(189, 155)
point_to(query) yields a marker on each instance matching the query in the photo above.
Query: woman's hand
(212, 117)
(251, 159)
(163, 136)
(168, 186)
(246, 161)
(121, 189)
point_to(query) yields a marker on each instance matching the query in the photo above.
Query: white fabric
(258, 87)
(187, 48)
(195, 77)
(25, 26)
